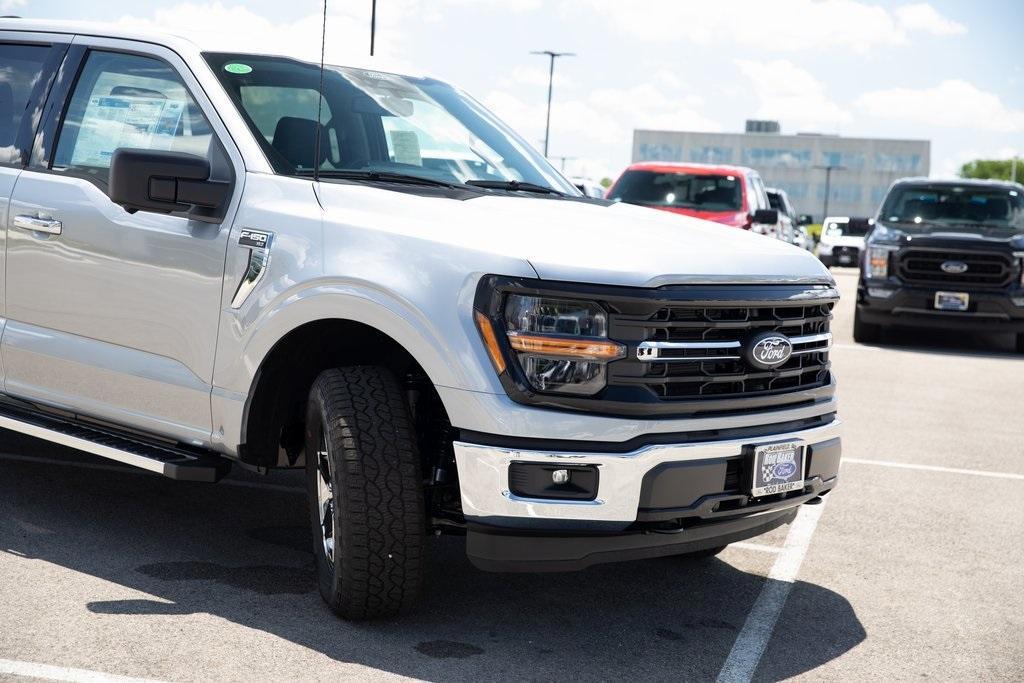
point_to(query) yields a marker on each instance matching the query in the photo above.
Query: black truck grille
(983, 269)
(693, 352)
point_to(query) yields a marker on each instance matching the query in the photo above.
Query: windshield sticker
(112, 121)
(407, 147)
(236, 68)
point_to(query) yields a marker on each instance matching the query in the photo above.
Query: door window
(123, 100)
(21, 67)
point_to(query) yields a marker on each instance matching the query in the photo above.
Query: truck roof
(208, 40)
(676, 166)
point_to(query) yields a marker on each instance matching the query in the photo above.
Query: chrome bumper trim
(483, 475)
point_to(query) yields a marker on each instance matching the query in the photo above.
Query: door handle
(48, 225)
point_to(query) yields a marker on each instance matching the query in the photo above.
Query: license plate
(951, 301)
(778, 467)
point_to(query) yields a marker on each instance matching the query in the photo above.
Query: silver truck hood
(580, 241)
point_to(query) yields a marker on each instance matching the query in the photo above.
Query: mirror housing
(167, 182)
(805, 219)
(766, 216)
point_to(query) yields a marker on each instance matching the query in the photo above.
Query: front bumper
(913, 306)
(655, 500)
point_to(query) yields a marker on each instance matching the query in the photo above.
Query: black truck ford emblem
(954, 267)
(768, 350)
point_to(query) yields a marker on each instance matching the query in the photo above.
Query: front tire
(865, 333)
(366, 502)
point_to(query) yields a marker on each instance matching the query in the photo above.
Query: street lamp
(828, 183)
(551, 81)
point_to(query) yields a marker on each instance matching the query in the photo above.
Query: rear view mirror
(167, 182)
(766, 216)
(805, 219)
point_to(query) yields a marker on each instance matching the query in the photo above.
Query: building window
(762, 157)
(711, 155)
(849, 160)
(897, 163)
(841, 192)
(649, 152)
(795, 191)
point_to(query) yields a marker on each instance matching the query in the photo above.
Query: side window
(123, 100)
(21, 67)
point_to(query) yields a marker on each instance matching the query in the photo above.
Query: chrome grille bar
(653, 351)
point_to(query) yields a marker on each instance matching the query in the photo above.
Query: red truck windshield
(679, 190)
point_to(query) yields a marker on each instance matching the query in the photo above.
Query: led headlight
(561, 345)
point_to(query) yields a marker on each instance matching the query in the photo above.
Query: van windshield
(922, 207)
(375, 122)
(704, 192)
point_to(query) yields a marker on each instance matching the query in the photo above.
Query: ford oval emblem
(769, 350)
(954, 267)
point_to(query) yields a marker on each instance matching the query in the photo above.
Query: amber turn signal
(556, 347)
(483, 323)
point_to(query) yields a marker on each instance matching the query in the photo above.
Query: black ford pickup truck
(945, 254)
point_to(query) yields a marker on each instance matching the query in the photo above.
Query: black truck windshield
(683, 190)
(376, 125)
(952, 206)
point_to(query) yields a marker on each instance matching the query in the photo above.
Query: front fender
(439, 335)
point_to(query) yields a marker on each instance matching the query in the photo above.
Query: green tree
(995, 169)
(606, 183)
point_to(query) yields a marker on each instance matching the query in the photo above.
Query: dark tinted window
(683, 190)
(775, 201)
(952, 205)
(21, 67)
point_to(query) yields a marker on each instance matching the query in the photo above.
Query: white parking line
(60, 673)
(131, 470)
(935, 468)
(746, 652)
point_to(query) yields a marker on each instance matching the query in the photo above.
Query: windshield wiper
(513, 186)
(385, 176)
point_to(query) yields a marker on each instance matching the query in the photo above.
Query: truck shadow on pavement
(949, 343)
(241, 554)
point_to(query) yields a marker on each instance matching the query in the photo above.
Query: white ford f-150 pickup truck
(221, 258)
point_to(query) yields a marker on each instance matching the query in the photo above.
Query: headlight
(878, 262)
(561, 345)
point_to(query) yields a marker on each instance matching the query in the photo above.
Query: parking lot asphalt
(913, 567)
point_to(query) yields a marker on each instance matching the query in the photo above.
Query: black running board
(176, 462)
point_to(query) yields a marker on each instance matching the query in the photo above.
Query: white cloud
(7, 6)
(599, 127)
(779, 26)
(951, 103)
(923, 17)
(536, 76)
(792, 95)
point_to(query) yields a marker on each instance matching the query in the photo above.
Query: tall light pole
(551, 83)
(828, 184)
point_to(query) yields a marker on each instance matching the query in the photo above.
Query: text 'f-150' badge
(254, 239)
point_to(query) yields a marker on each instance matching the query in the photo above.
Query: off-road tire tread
(380, 528)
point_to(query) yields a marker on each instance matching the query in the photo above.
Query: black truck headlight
(561, 345)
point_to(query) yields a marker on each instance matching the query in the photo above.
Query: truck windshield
(681, 190)
(1001, 209)
(381, 124)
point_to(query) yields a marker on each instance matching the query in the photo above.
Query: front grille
(984, 269)
(694, 352)
(849, 255)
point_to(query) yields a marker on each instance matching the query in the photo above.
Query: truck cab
(223, 259)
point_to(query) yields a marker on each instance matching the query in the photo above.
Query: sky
(948, 71)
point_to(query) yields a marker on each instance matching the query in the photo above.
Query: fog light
(880, 292)
(558, 482)
(1018, 301)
